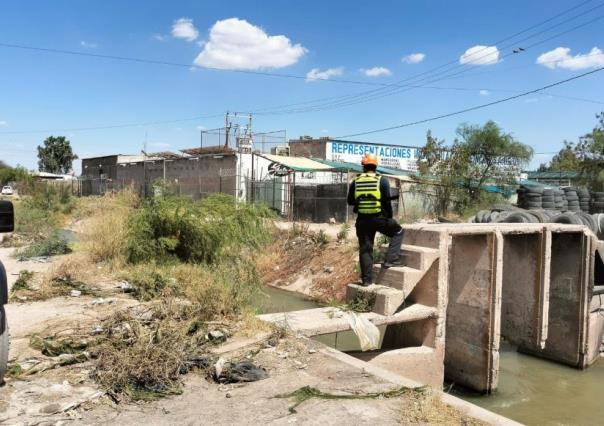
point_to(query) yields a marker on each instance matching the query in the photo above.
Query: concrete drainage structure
(467, 286)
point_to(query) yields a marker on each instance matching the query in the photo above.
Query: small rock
(332, 220)
(51, 408)
(228, 395)
(282, 355)
(216, 336)
(329, 269)
(312, 351)
(75, 293)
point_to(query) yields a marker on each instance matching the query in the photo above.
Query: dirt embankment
(311, 263)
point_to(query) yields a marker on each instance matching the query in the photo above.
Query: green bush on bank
(176, 228)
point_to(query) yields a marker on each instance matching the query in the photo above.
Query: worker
(369, 193)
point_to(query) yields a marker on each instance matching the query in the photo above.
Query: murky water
(276, 300)
(539, 392)
(531, 390)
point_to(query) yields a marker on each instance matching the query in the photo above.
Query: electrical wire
(474, 108)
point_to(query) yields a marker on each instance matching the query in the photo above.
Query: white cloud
(316, 74)
(88, 44)
(184, 28)
(376, 71)
(3, 123)
(159, 37)
(484, 92)
(236, 44)
(560, 57)
(414, 58)
(480, 55)
(201, 127)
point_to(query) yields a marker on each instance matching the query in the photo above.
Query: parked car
(7, 190)
(7, 224)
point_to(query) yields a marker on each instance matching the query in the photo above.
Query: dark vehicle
(7, 224)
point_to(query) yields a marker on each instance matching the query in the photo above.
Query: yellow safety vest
(367, 193)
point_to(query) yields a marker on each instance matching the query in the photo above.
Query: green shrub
(51, 246)
(168, 228)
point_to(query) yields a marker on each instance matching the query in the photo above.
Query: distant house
(45, 176)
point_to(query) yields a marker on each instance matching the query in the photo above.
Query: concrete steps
(402, 278)
(417, 257)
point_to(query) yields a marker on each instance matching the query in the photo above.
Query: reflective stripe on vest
(367, 193)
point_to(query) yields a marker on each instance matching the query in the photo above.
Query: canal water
(531, 390)
(539, 392)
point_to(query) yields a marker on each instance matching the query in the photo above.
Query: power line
(113, 126)
(438, 117)
(393, 88)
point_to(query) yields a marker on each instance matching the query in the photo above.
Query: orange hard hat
(369, 159)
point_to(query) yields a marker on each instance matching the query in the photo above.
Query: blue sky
(337, 39)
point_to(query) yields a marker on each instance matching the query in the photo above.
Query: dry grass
(103, 234)
(429, 409)
(145, 350)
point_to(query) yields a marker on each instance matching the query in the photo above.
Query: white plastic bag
(368, 334)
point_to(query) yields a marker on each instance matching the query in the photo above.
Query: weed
(144, 354)
(343, 233)
(194, 231)
(307, 392)
(361, 303)
(24, 281)
(320, 238)
(51, 246)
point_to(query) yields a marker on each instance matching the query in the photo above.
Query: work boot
(391, 264)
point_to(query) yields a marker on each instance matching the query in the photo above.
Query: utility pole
(227, 127)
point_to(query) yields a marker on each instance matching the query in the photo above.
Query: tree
(480, 155)
(56, 155)
(590, 151)
(494, 156)
(443, 166)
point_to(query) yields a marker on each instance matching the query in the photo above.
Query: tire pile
(504, 213)
(538, 197)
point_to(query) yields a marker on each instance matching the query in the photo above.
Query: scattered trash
(367, 332)
(228, 395)
(218, 367)
(125, 286)
(97, 330)
(101, 301)
(75, 293)
(312, 351)
(245, 371)
(329, 269)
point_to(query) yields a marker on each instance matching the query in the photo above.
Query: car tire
(4, 344)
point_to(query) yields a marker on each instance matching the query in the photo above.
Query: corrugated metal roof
(298, 164)
(344, 166)
(553, 175)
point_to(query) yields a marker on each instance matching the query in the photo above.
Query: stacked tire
(548, 201)
(597, 202)
(572, 198)
(530, 197)
(584, 199)
(560, 202)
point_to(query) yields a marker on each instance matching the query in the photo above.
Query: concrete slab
(401, 278)
(314, 322)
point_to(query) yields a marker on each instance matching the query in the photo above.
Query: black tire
(539, 215)
(516, 217)
(533, 205)
(502, 207)
(567, 218)
(482, 215)
(588, 221)
(4, 344)
(548, 205)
